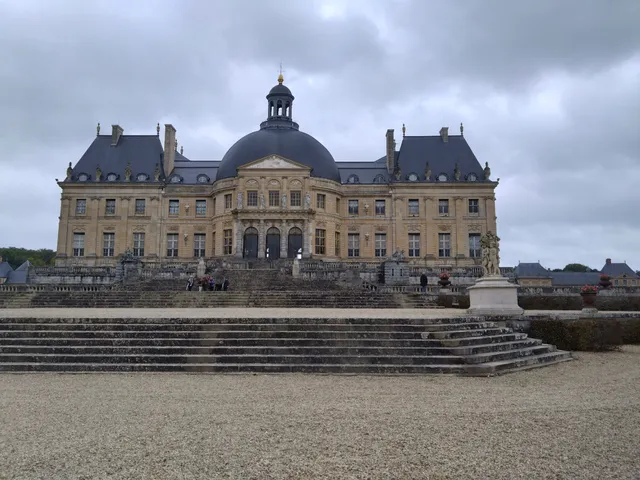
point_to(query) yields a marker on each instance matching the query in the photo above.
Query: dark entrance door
(273, 244)
(295, 242)
(250, 244)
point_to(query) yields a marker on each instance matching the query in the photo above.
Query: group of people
(209, 284)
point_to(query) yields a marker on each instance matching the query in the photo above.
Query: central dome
(279, 135)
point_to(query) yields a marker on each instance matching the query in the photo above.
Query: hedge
(622, 303)
(592, 335)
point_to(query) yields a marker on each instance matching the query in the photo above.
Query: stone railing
(54, 288)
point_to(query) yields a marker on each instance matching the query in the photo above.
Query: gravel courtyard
(577, 420)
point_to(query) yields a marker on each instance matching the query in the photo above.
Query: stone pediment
(275, 162)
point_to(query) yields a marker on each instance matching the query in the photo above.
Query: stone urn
(588, 294)
(605, 281)
(444, 280)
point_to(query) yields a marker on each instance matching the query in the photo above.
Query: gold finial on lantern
(281, 77)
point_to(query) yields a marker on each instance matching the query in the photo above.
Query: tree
(576, 267)
(17, 256)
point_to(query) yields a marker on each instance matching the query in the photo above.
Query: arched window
(353, 179)
(379, 179)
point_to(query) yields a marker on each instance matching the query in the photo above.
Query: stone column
(284, 237)
(261, 239)
(239, 232)
(306, 239)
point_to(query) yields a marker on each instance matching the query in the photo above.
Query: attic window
(112, 177)
(83, 177)
(142, 177)
(353, 179)
(413, 177)
(472, 177)
(202, 178)
(175, 179)
(379, 179)
(443, 177)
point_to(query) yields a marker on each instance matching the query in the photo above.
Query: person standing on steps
(423, 282)
(190, 284)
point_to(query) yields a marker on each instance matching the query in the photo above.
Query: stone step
(213, 342)
(518, 364)
(477, 340)
(488, 347)
(234, 359)
(338, 368)
(452, 334)
(501, 355)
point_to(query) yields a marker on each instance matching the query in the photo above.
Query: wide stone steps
(356, 345)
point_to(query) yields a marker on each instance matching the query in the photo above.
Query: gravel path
(578, 420)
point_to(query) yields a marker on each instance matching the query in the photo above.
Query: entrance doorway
(295, 242)
(250, 244)
(273, 244)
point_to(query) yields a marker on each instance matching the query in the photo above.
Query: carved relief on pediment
(227, 223)
(474, 228)
(200, 228)
(251, 183)
(321, 224)
(353, 228)
(139, 228)
(444, 228)
(381, 228)
(273, 183)
(109, 228)
(414, 227)
(173, 228)
(338, 226)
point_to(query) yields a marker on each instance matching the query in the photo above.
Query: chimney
(116, 133)
(608, 261)
(391, 151)
(444, 134)
(169, 148)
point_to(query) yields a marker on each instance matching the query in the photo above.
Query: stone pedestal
(295, 271)
(494, 295)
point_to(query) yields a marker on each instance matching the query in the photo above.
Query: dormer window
(112, 177)
(142, 177)
(175, 179)
(353, 179)
(443, 177)
(413, 177)
(379, 179)
(83, 177)
(202, 178)
(472, 177)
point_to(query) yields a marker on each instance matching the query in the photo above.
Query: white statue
(263, 203)
(239, 200)
(284, 201)
(307, 201)
(490, 254)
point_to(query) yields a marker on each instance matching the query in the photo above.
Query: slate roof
(531, 270)
(19, 275)
(567, 279)
(366, 172)
(5, 269)
(618, 270)
(143, 151)
(189, 171)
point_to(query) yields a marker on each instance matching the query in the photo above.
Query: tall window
(443, 206)
(320, 241)
(337, 205)
(474, 206)
(81, 206)
(174, 207)
(381, 245)
(110, 206)
(108, 244)
(274, 198)
(201, 208)
(172, 245)
(353, 207)
(296, 198)
(228, 242)
(141, 206)
(444, 244)
(414, 244)
(252, 198)
(337, 245)
(227, 201)
(381, 206)
(199, 240)
(353, 247)
(474, 245)
(321, 200)
(213, 243)
(414, 207)
(138, 244)
(78, 244)
(214, 205)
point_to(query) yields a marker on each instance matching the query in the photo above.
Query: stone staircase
(463, 346)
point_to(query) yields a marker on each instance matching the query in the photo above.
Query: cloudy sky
(548, 90)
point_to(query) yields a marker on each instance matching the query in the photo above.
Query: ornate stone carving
(139, 228)
(338, 226)
(154, 199)
(489, 243)
(456, 172)
(109, 228)
(251, 183)
(274, 183)
(274, 161)
(263, 203)
(427, 172)
(200, 228)
(295, 183)
(239, 202)
(283, 201)
(128, 172)
(398, 255)
(98, 173)
(78, 228)
(173, 228)
(321, 224)
(487, 171)
(414, 227)
(156, 173)
(307, 201)
(69, 171)
(444, 228)
(381, 228)
(227, 223)
(474, 228)
(353, 228)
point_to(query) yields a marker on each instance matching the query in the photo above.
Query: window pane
(227, 201)
(252, 198)
(199, 243)
(474, 245)
(108, 244)
(443, 207)
(174, 207)
(353, 207)
(474, 206)
(201, 207)
(172, 245)
(140, 205)
(414, 207)
(444, 244)
(110, 207)
(78, 244)
(380, 207)
(81, 206)
(381, 245)
(353, 245)
(228, 242)
(414, 244)
(337, 244)
(138, 244)
(320, 241)
(296, 198)
(320, 200)
(274, 198)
